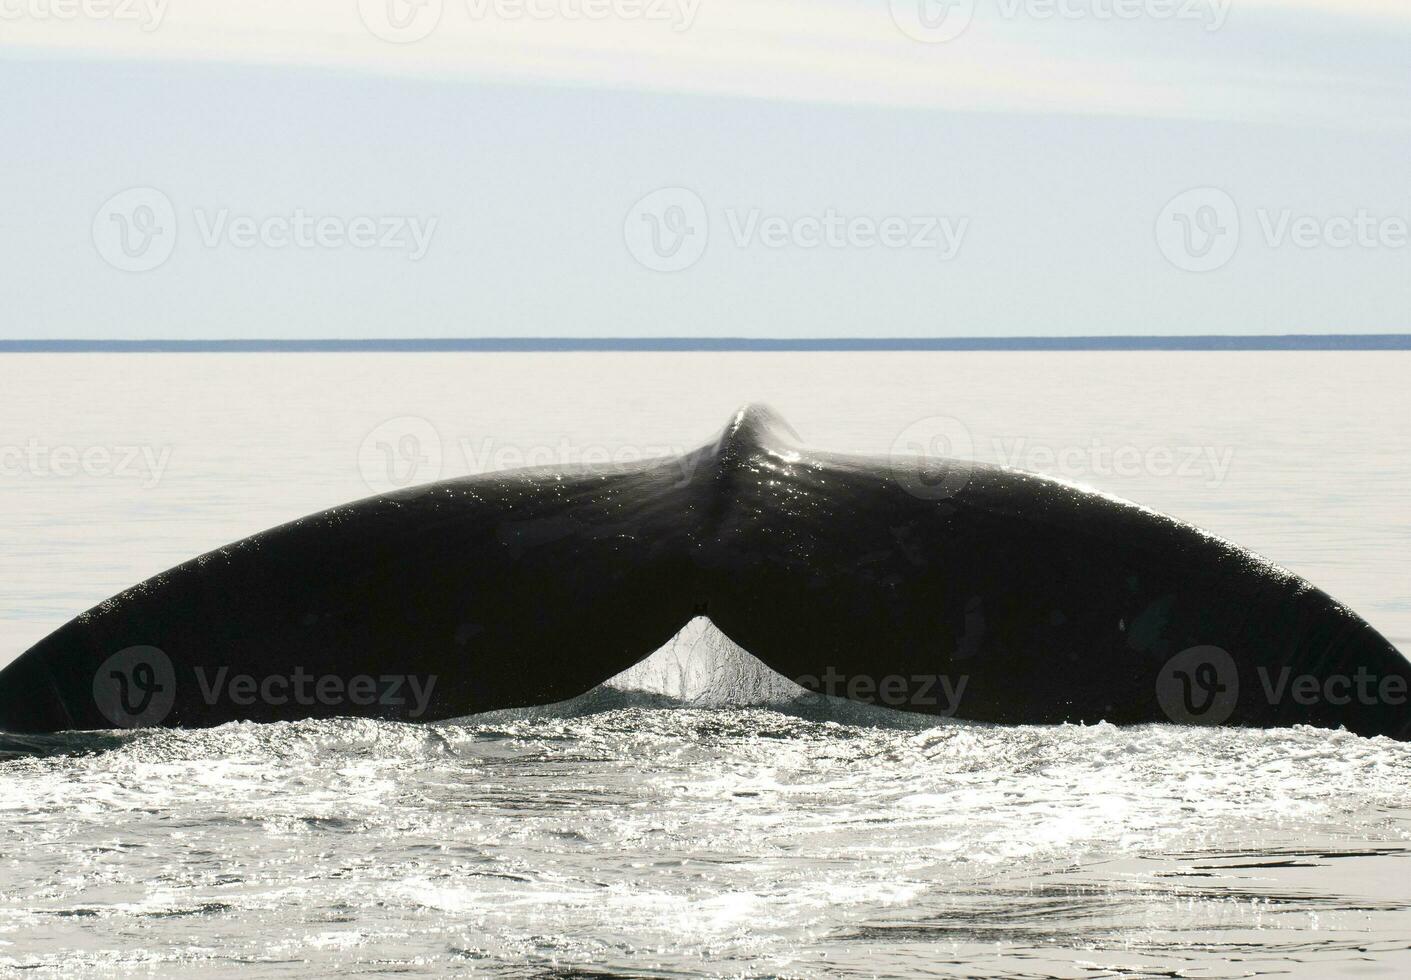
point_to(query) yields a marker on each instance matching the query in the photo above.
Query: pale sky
(192, 168)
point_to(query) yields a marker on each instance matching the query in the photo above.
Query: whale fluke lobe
(992, 594)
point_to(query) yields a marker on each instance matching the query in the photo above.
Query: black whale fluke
(958, 588)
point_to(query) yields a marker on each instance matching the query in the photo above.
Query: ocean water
(696, 816)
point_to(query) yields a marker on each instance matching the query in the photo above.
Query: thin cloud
(1008, 58)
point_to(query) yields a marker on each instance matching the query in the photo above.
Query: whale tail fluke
(962, 590)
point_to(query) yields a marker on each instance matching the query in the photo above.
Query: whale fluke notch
(1027, 600)
(755, 427)
(702, 667)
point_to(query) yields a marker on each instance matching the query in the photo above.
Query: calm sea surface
(625, 836)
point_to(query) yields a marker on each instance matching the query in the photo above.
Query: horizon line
(1177, 342)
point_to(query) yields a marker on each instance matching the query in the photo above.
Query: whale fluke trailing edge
(932, 585)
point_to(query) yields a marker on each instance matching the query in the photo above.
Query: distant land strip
(1324, 342)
